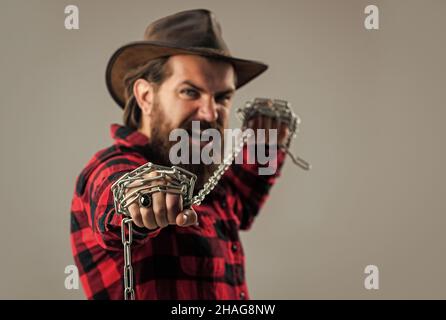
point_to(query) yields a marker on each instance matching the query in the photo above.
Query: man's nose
(208, 110)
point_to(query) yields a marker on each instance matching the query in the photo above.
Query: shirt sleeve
(99, 203)
(250, 185)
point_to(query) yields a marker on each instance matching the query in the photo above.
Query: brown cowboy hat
(187, 32)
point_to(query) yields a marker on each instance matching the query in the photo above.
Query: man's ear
(144, 94)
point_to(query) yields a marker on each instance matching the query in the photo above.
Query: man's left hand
(264, 122)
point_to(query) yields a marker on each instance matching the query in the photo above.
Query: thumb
(186, 218)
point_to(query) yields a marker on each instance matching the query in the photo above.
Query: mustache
(204, 125)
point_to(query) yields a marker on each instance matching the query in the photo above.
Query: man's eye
(223, 99)
(191, 93)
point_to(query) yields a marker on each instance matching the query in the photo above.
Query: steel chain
(182, 182)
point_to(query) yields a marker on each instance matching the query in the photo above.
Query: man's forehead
(209, 73)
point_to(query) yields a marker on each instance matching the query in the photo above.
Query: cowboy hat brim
(136, 53)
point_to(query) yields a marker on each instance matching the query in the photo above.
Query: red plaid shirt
(196, 262)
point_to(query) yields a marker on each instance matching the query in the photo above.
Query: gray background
(372, 105)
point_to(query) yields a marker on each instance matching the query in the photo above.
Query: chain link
(127, 238)
(181, 181)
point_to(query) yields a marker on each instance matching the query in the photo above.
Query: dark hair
(155, 71)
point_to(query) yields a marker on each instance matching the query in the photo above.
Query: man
(181, 72)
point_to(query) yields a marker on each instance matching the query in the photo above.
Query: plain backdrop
(372, 108)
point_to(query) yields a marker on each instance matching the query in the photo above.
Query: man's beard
(160, 146)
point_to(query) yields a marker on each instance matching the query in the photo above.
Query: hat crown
(193, 28)
(195, 32)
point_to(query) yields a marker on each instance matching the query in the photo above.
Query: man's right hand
(166, 208)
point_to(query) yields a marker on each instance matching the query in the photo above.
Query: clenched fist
(264, 122)
(165, 209)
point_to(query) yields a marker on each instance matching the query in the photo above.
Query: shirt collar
(128, 137)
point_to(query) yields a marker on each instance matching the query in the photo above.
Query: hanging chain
(129, 292)
(180, 181)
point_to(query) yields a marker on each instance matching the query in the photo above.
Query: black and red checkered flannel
(196, 262)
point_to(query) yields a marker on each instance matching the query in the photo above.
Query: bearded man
(181, 72)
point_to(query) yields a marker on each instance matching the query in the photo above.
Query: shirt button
(223, 204)
(234, 247)
(242, 295)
